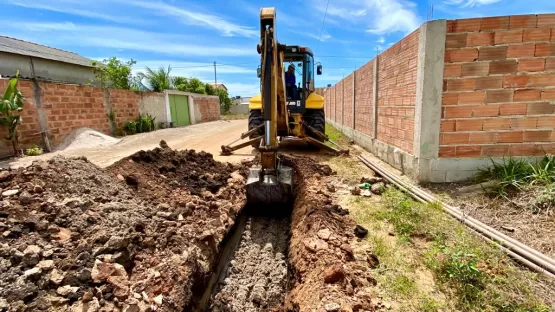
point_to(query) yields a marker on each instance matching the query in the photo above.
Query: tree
(158, 80)
(210, 90)
(225, 101)
(196, 86)
(180, 83)
(12, 102)
(113, 73)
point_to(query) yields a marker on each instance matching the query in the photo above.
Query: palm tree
(157, 80)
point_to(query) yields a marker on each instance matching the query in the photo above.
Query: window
(309, 72)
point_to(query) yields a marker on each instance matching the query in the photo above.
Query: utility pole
(215, 79)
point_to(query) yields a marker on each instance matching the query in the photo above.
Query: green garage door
(179, 109)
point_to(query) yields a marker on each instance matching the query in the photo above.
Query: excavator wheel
(317, 120)
(255, 120)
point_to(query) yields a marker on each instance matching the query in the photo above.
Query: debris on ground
(78, 238)
(86, 138)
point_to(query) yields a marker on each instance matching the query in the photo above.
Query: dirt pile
(328, 275)
(141, 235)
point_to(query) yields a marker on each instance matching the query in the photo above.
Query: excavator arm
(271, 183)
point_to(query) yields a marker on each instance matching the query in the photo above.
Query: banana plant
(12, 102)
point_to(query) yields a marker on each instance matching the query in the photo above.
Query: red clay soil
(141, 235)
(326, 275)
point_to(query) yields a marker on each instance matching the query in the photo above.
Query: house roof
(219, 86)
(21, 47)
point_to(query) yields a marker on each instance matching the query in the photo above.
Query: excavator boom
(271, 183)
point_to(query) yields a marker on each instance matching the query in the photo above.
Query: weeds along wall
(453, 96)
(51, 111)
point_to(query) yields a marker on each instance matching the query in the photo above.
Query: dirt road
(207, 137)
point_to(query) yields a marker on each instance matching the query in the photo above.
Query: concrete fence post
(429, 87)
(354, 100)
(375, 98)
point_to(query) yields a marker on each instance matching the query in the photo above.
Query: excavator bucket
(268, 188)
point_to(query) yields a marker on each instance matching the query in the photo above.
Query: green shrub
(34, 151)
(145, 123)
(129, 128)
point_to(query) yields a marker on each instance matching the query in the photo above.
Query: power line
(322, 28)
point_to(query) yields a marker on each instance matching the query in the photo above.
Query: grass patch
(34, 151)
(479, 274)
(514, 174)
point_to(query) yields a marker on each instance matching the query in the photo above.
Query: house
(241, 101)
(219, 86)
(42, 62)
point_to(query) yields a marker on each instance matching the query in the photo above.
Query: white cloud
(381, 40)
(62, 34)
(471, 3)
(379, 16)
(73, 8)
(191, 17)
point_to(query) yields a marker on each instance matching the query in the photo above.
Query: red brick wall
(69, 107)
(348, 101)
(125, 104)
(364, 95)
(397, 69)
(499, 87)
(339, 102)
(332, 106)
(209, 107)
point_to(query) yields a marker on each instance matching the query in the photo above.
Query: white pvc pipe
(526, 254)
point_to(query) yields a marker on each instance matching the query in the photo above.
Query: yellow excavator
(290, 112)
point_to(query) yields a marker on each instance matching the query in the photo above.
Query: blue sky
(190, 35)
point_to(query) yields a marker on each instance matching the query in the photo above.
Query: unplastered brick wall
(65, 108)
(69, 107)
(397, 93)
(364, 99)
(348, 97)
(499, 87)
(209, 107)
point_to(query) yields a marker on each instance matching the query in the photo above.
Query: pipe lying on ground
(529, 257)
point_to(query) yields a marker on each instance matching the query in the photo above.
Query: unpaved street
(207, 137)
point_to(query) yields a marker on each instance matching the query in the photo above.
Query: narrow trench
(252, 272)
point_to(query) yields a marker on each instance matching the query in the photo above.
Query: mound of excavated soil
(140, 235)
(86, 138)
(329, 276)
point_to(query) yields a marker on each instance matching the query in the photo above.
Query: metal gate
(179, 109)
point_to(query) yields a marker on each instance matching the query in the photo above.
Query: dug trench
(165, 230)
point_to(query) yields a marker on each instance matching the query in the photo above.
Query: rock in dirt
(9, 193)
(373, 260)
(360, 231)
(371, 180)
(324, 234)
(333, 274)
(355, 191)
(339, 210)
(378, 188)
(132, 180)
(332, 307)
(163, 144)
(25, 198)
(4, 175)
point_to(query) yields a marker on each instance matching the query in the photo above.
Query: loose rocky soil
(141, 235)
(145, 234)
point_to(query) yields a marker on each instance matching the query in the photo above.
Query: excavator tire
(255, 120)
(317, 120)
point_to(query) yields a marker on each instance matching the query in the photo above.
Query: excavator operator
(290, 83)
